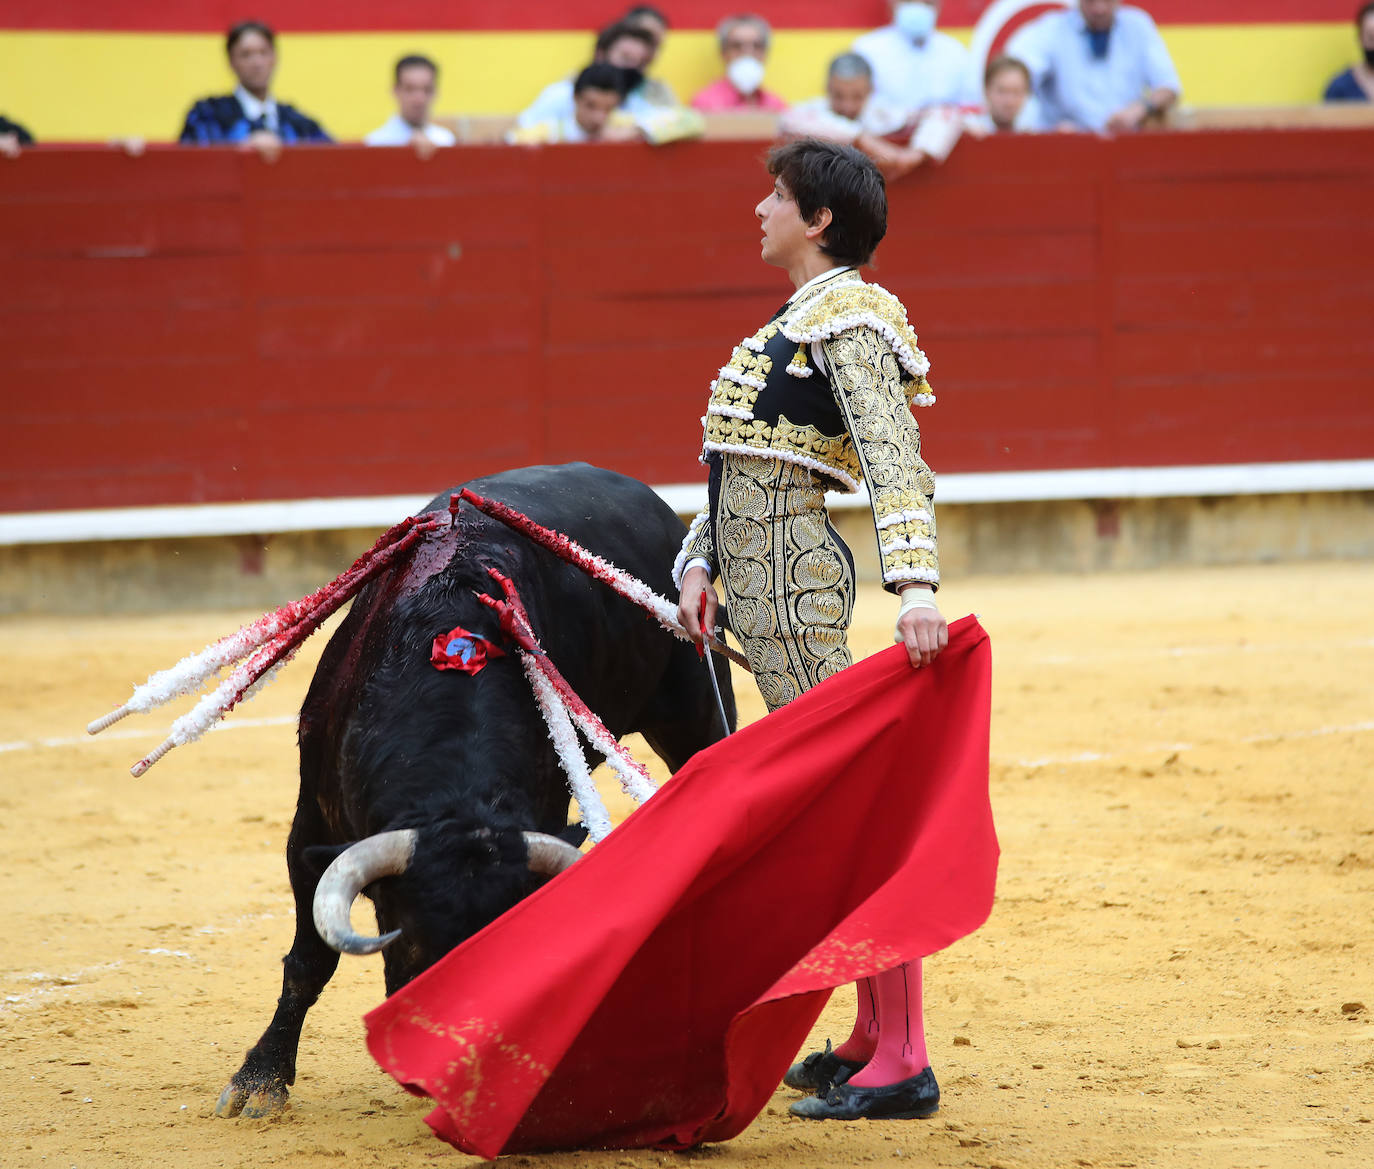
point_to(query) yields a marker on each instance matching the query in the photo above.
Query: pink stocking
(863, 1040)
(901, 1049)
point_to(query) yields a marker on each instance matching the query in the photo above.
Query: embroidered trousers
(787, 577)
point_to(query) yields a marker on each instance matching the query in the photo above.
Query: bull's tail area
(255, 652)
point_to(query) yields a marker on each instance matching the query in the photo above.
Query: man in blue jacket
(250, 115)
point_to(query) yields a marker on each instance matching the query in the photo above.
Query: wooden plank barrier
(197, 325)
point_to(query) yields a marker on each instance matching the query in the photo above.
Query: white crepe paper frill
(244, 683)
(190, 673)
(565, 743)
(634, 780)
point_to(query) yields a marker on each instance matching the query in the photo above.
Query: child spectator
(744, 41)
(598, 92)
(1357, 82)
(250, 115)
(417, 80)
(1007, 98)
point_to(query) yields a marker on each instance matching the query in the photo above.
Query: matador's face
(784, 231)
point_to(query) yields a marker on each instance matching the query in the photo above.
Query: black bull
(389, 742)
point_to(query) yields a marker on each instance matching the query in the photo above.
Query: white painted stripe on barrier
(381, 511)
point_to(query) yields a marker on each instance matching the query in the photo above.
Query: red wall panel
(198, 326)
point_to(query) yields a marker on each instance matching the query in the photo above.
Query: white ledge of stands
(381, 511)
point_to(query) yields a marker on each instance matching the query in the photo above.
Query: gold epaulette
(846, 304)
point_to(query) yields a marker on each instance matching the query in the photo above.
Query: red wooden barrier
(199, 326)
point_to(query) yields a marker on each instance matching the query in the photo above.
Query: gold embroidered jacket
(849, 425)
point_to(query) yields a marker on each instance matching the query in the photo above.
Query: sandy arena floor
(1179, 970)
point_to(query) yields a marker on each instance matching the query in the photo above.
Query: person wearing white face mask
(744, 42)
(916, 66)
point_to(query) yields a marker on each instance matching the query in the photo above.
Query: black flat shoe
(820, 1071)
(909, 1099)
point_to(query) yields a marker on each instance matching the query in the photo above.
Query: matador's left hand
(920, 627)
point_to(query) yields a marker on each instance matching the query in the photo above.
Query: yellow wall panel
(1258, 64)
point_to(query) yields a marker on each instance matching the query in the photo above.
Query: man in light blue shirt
(1100, 67)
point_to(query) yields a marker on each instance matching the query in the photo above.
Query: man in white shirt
(847, 110)
(851, 113)
(417, 81)
(1010, 109)
(916, 66)
(1100, 67)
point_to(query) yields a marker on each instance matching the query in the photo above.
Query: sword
(710, 666)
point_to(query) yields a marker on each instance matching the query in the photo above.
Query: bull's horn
(549, 855)
(385, 855)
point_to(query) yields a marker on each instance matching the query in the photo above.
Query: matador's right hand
(696, 583)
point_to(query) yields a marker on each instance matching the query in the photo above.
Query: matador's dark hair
(826, 174)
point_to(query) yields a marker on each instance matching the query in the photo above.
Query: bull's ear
(319, 857)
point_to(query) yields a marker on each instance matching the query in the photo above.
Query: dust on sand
(1178, 970)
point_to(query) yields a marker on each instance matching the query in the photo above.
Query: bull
(438, 794)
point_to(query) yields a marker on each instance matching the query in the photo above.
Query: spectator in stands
(655, 23)
(848, 110)
(914, 65)
(651, 19)
(417, 81)
(1101, 67)
(13, 136)
(625, 46)
(851, 113)
(744, 41)
(250, 116)
(1357, 83)
(598, 93)
(1006, 97)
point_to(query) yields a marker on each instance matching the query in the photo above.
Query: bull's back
(619, 518)
(606, 647)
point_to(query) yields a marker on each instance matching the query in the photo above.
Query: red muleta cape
(656, 992)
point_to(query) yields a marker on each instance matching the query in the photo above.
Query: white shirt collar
(826, 275)
(255, 109)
